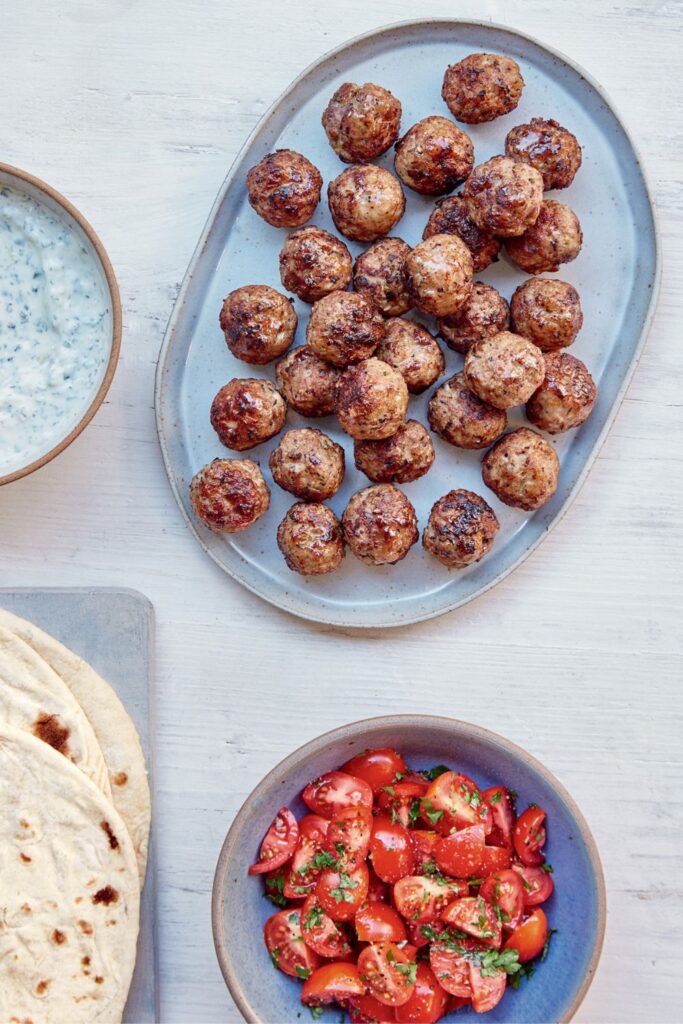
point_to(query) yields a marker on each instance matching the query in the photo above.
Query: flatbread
(69, 891)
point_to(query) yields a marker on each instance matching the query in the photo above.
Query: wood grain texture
(134, 109)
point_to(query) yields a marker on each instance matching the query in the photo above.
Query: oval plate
(617, 275)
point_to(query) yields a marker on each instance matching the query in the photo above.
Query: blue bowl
(576, 908)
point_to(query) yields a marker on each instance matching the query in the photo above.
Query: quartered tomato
(502, 815)
(529, 939)
(332, 983)
(424, 841)
(505, 891)
(323, 935)
(495, 858)
(341, 893)
(388, 972)
(391, 850)
(451, 968)
(537, 884)
(378, 922)
(368, 1010)
(378, 768)
(333, 792)
(476, 917)
(377, 889)
(348, 837)
(421, 899)
(529, 836)
(487, 989)
(428, 1001)
(421, 935)
(314, 826)
(455, 798)
(303, 873)
(401, 800)
(460, 854)
(279, 844)
(287, 949)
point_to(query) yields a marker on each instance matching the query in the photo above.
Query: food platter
(616, 274)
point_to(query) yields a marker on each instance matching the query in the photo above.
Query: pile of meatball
(363, 358)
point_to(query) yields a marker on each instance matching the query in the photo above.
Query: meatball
(482, 87)
(361, 121)
(548, 147)
(461, 529)
(504, 370)
(284, 188)
(458, 416)
(378, 274)
(308, 463)
(547, 312)
(434, 156)
(380, 525)
(344, 328)
(405, 456)
(365, 202)
(372, 400)
(259, 323)
(229, 495)
(311, 539)
(247, 412)
(522, 469)
(553, 239)
(313, 263)
(438, 273)
(503, 196)
(485, 313)
(411, 350)
(450, 217)
(566, 396)
(307, 382)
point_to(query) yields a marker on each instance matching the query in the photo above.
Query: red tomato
(334, 791)
(378, 922)
(529, 836)
(302, 875)
(348, 837)
(529, 938)
(455, 797)
(460, 854)
(495, 858)
(420, 899)
(428, 1001)
(378, 768)
(456, 1003)
(402, 800)
(368, 1010)
(505, 891)
(476, 917)
(341, 893)
(451, 969)
(388, 972)
(313, 826)
(377, 889)
(323, 935)
(537, 884)
(417, 935)
(332, 983)
(391, 850)
(502, 814)
(423, 841)
(288, 952)
(487, 991)
(279, 844)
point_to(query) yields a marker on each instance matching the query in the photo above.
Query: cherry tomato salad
(405, 894)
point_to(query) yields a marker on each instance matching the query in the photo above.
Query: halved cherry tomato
(424, 841)
(416, 932)
(302, 875)
(451, 968)
(287, 949)
(348, 837)
(476, 917)
(368, 1010)
(401, 800)
(460, 854)
(502, 815)
(488, 989)
(391, 850)
(495, 858)
(378, 922)
(388, 972)
(332, 983)
(323, 935)
(334, 791)
(314, 826)
(428, 1001)
(377, 889)
(279, 844)
(529, 938)
(341, 893)
(378, 768)
(529, 836)
(505, 892)
(420, 899)
(537, 884)
(455, 797)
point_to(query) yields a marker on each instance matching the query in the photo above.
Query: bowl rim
(117, 320)
(317, 745)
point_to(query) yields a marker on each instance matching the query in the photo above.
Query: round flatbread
(69, 891)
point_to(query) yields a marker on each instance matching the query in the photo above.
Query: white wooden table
(135, 109)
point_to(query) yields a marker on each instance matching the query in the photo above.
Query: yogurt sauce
(55, 328)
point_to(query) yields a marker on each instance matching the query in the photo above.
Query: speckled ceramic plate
(616, 275)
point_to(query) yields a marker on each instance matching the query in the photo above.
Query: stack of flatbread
(74, 828)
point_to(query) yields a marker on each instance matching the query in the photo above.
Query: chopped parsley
(432, 812)
(302, 972)
(414, 811)
(275, 891)
(548, 868)
(314, 918)
(433, 773)
(316, 1012)
(341, 892)
(275, 956)
(496, 797)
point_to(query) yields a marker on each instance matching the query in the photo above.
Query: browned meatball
(548, 312)
(229, 494)
(405, 456)
(548, 147)
(450, 217)
(372, 400)
(380, 525)
(503, 196)
(311, 539)
(411, 350)
(458, 416)
(461, 529)
(365, 202)
(522, 469)
(553, 239)
(504, 370)
(565, 398)
(485, 313)
(361, 121)
(308, 463)
(378, 274)
(438, 273)
(259, 324)
(284, 188)
(307, 382)
(344, 328)
(434, 156)
(482, 87)
(313, 263)
(247, 412)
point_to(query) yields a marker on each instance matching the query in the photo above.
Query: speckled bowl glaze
(576, 909)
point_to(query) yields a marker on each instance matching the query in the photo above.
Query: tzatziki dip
(55, 328)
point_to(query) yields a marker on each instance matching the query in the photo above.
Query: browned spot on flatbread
(85, 927)
(49, 729)
(120, 779)
(99, 980)
(26, 908)
(25, 858)
(42, 987)
(109, 832)
(59, 938)
(23, 823)
(85, 960)
(106, 895)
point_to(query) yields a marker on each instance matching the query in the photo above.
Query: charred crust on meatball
(307, 382)
(284, 188)
(228, 495)
(553, 239)
(380, 525)
(311, 539)
(372, 400)
(405, 456)
(361, 121)
(461, 529)
(485, 313)
(481, 87)
(434, 156)
(547, 146)
(378, 274)
(566, 396)
(411, 349)
(503, 196)
(450, 217)
(246, 412)
(308, 463)
(344, 328)
(313, 263)
(462, 418)
(258, 323)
